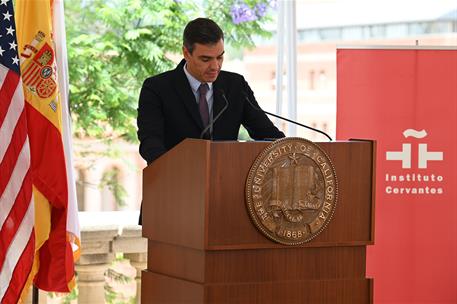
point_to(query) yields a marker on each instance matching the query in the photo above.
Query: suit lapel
(184, 92)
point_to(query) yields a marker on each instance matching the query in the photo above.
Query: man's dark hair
(203, 31)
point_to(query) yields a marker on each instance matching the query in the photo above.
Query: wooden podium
(203, 247)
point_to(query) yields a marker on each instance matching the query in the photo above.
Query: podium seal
(291, 191)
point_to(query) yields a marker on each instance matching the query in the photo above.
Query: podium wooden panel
(203, 247)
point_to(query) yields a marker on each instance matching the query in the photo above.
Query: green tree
(114, 45)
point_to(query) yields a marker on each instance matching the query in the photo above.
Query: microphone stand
(212, 121)
(286, 119)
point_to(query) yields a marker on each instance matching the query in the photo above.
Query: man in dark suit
(182, 103)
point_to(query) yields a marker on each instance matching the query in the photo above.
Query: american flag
(17, 238)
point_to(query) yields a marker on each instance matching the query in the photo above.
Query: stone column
(96, 257)
(134, 247)
(137, 260)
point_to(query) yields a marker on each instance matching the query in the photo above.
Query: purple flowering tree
(241, 20)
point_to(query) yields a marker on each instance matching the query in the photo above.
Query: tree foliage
(114, 45)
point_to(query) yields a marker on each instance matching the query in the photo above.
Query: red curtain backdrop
(406, 99)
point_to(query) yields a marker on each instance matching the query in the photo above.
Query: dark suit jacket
(168, 112)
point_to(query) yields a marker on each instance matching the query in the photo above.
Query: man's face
(205, 62)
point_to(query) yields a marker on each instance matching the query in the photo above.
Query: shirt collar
(194, 83)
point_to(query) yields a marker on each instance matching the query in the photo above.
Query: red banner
(406, 99)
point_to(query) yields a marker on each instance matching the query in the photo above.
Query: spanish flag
(41, 45)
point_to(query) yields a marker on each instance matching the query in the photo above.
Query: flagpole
(34, 295)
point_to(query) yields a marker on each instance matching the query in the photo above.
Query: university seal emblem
(291, 191)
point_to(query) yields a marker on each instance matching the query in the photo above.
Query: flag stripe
(29, 69)
(16, 249)
(30, 77)
(9, 85)
(3, 73)
(3, 107)
(34, 80)
(22, 270)
(11, 118)
(15, 216)
(29, 72)
(15, 183)
(12, 152)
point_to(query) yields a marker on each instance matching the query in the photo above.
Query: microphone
(212, 121)
(286, 119)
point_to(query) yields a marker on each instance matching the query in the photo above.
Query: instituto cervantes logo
(291, 191)
(408, 182)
